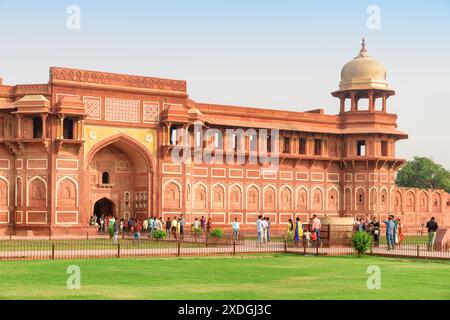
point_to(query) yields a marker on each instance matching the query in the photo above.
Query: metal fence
(127, 247)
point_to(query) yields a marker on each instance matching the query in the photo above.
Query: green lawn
(248, 277)
(92, 244)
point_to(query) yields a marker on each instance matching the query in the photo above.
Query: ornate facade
(92, 142)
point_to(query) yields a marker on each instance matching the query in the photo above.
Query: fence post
(317, 248)
(285, 246)
(304, 248)
(234, 247)
(178, 248)
(418, 250)
(118, 251)
(53, 251)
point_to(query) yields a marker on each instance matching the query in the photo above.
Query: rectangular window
(287, 145)
(302, 146)
(318, 147)
(37, 128)
(384, 148)
(361, 148)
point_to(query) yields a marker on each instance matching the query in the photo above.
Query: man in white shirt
(264, 225)
(196, 224)
(259, 229)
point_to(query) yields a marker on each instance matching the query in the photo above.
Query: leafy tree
(423, 173)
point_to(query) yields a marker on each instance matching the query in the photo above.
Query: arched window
(105, 178)
(37, 127)
(68, 128)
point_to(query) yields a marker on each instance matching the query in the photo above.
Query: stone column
(371, 101)
(342, 98)
(384, 102)
(354, 102)
(61, 127)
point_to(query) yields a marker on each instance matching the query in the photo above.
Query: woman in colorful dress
(401, 235)
(396, 237)
(290, 231)
(298, 231)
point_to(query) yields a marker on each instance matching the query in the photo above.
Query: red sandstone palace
(92, 142)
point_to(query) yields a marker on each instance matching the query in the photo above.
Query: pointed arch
(317, 195)
(348, 196)
(397, 201)
(333, 204)
(253, 196)
(286, 198)
(235, 198)
(436, 201)
(171, 198)
(4, 191)
(410, 201)
(75, 184)
(360, 198)
(218, 196)
(424, 201)
(302, 198)
(30, 186)
(200, 196)
(270, 197)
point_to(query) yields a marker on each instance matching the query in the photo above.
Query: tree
(423, 173)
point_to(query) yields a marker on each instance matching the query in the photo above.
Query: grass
(237, 278)
(92, 244)
(409, 240)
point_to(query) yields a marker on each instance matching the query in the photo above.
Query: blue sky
(274, 54)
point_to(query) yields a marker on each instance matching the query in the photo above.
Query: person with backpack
(432, 227)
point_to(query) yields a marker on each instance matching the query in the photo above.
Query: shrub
(217, 233)
(197, 232)
(361, 242)
(159, 234)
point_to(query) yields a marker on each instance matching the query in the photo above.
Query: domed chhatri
(363, 72)
(363, 78)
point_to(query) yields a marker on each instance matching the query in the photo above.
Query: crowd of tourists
(296, 232)
(174, 228)
(394, 231)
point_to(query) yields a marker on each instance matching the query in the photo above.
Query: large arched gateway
(119, 178)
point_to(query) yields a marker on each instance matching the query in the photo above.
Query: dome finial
(363, 51)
